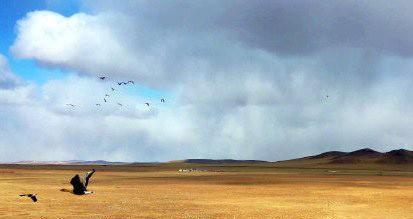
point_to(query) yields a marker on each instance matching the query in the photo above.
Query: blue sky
(11, 11)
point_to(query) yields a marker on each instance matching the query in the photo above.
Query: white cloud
(7, 78)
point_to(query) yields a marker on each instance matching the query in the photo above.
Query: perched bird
(132, 82)
(102, 78)
(120, 104)
(32, 196)
(162, 100)
(104, 99)
(113, 89)
(147, 104)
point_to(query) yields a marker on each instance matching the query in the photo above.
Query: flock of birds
(106, 97)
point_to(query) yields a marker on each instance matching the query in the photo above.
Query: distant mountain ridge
(71, 162)
(366, 155)
(220, 161)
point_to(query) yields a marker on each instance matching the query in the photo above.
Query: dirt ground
(170, 194)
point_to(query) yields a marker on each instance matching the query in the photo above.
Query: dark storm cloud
(285, 27)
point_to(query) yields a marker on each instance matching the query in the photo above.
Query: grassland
(224, 191)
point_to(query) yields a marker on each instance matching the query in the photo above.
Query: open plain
(223, 191)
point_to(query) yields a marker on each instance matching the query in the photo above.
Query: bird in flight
(162, 100)
(147, 104)
(113, 89)
(104, 99)
(32, 196)
(120, 104)
(102, 78)
(98, 104)
(131, 82)
(69, 104)
(106, 95)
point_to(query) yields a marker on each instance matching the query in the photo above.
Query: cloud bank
(249, 79)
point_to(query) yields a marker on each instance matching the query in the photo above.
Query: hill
(222, 161)
(360, 159)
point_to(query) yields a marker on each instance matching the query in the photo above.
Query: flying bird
(120, 83)
(147, 104)
(120, 104)
(106, 95)
(98, 104)
(132, 82)
(113, 89)
(32, 196)
(104, 99)
(162, 100)
(69, 104)
(102, 78)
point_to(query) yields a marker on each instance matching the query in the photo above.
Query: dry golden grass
(169, 194)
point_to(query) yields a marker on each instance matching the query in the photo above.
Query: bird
(147, 104)
(106, 95)
(120, 104)
(120, 83)
(104, 99)
(102, 78)
(32, 196)
(69, 104)
(162, 100)
(113, 89)
(131, 82)
(98, 104)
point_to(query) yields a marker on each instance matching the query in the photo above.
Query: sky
(254, 79)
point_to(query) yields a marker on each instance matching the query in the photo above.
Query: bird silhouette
(120, 104)
(69, 104)
(32, 196)
(113, 89)
(106, 95)
(98, 104)
(162, 100)
(102, 78)
(132, 82)
(104, 99)
(147, 104)
(120, 83)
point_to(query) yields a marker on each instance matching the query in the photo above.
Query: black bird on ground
(162, 100)
(32, 196)
(102, 78)
(147, 104)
